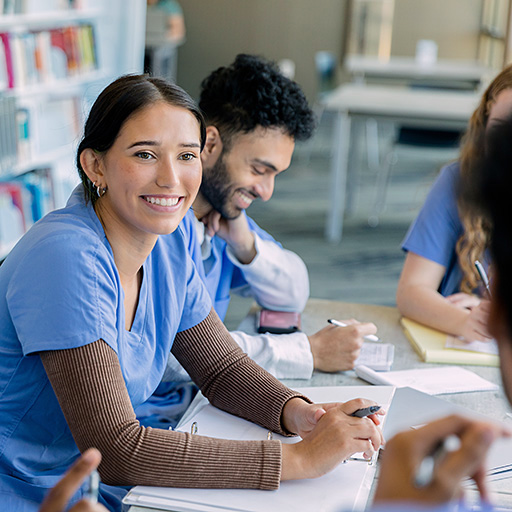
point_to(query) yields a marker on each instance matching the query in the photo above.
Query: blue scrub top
(434, 233)
(165, 408)
(221, 274)
(437, 228)
(60, 289)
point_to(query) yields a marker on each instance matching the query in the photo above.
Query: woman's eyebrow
(156, 143)
(144, 143)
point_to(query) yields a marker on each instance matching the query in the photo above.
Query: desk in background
(422, 108)
(461, 74)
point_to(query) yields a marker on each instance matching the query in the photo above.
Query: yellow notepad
(430, 345)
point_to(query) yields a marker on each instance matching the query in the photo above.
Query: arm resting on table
(91, 391)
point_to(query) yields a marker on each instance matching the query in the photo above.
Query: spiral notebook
(345, 488)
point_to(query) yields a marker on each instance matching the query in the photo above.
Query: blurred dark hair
(474, 240)
(490, 195)
(252, 92)
(117, 103)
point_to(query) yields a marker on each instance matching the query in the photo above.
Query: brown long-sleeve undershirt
(92, 394)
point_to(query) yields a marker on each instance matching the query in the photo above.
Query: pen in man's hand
(369, 337)
(366, 411)
(425, 471)
(483, 276)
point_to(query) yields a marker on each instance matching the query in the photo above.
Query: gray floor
(365, 266)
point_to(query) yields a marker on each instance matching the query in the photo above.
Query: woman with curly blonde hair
(439, 285)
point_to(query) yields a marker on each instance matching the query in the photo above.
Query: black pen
(366, 411)
(483, 276)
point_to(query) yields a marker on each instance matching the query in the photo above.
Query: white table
(465, 74)
(441, 109)
(490, 403)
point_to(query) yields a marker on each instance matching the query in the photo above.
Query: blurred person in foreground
(489, 196)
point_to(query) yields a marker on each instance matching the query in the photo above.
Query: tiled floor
(366, 265)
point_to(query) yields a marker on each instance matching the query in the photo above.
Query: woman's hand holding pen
(330, 436)
(476, 321)
(464, 300)
(473, 325)
(406, 451)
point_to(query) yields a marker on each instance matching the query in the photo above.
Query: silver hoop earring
(100, 191)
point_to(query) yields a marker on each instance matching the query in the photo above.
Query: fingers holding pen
(335, 438)
(406, 452)
(59, 496)
(468, 460)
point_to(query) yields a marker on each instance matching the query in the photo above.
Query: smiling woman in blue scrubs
(92, 302)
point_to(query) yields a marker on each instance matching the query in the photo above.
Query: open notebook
(432, 346)
(345, 488)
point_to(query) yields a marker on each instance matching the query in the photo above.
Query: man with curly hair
(254, 115)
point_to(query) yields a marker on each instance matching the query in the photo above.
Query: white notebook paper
(345, 488)
(377, 356)
(434, 381)
(484, 347)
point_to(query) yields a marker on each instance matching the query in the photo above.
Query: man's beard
(217, 189)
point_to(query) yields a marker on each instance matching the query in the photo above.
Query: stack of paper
(377, 356)
(431, 345)
(345, 488)
(434, 381)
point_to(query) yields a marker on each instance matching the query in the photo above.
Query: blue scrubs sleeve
(434, 233)
(64, 294)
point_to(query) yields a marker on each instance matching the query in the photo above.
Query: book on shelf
(4, 79)
(29, 131)
(23, 135)
(37, 57)
(23, 201)
(6, 47)
(38, 187)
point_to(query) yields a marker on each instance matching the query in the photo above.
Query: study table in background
(419, 108)
(490, 403)
(449, 73)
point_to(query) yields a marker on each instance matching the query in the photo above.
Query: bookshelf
(55, 58)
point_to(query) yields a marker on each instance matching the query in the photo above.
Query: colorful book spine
(9, 71)
(32, 58)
